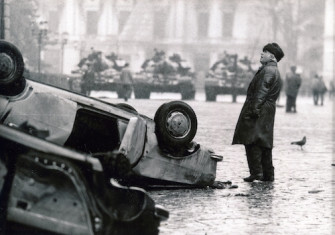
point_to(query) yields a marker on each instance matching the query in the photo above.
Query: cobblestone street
(298, 202)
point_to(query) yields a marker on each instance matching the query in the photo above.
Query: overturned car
(160, 151)
(48, 189)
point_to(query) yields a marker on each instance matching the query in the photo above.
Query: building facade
(200, 31)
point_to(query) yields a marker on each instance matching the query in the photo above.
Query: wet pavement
(298, 202)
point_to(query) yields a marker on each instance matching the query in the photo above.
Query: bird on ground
(300, 142)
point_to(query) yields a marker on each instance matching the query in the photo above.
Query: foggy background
(54, 35)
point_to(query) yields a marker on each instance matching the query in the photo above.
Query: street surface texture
(298, 202)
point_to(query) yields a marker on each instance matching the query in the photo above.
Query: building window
(203, 19)
(92, 22)
(160, 19)
(53, 21)
(228, 21)
(202, 5)
(123, 17)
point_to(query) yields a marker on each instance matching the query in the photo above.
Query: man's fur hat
(275, 49)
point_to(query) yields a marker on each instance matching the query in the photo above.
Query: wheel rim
(178, 124)
(6, 66)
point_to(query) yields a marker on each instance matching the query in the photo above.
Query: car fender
(132, 144)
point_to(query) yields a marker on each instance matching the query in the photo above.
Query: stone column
(175, 25)
(328, 43)
(215, 20)
(72, 23)
(240, 25)
(179, 23)
(108, 22)
(71, 57)
(191, 22)
(71, 20)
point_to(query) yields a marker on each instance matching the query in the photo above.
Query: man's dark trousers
(290, 103)
(260, 161)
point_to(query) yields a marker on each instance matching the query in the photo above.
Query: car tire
(176, 125)
(12, 81)
(127, 107)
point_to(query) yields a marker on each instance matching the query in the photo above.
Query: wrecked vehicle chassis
(161, 149)
(48, 189)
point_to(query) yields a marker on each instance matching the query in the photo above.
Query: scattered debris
(242, 195)
(233, 186)
(315, 191)
(223, 185)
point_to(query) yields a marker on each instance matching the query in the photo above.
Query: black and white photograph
(170, 117)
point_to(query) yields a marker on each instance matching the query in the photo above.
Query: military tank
(98, 72)
(228, 76)
(159, 74)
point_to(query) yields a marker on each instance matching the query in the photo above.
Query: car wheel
(12, 81)
(127, 107)
(176, 125)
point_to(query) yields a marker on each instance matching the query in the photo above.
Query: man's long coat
(293, 82)
(256, 120)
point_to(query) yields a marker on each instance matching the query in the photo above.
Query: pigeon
(300, 142)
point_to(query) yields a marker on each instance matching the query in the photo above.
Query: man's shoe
(251, 178)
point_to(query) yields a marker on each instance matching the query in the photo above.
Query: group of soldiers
(231, 69)
(230, 64)
(95, 64)
(160, 65)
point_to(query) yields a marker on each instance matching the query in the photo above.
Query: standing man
(318, 88)
(254, 128)
(331, 89)
(322, 89)
(127, 82)
(88, 80)
(293, 82)
(315, 89)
